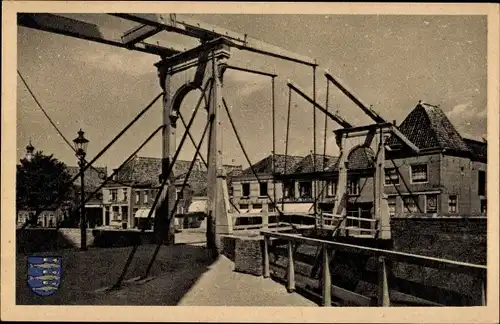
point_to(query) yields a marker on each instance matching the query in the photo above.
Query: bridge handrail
(383, 298)
(432, 262)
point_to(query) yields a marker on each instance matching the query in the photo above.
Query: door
(359, 211)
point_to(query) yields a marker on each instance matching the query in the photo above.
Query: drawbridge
(206, 64)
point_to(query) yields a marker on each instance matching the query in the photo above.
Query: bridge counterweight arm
(372, 114)
(61, 25)
(203, 31)
(339, 120)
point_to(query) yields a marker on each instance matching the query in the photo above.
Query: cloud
(125, 62)
(465, 111)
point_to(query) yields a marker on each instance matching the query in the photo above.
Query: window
(137, 196)
(289, 187)
(431, 203)
(271, 207)
(243, 207)
(257, 206)
(113, 194)
(116, 213)
(262, 189)
(230, 191)
(245, 189)
(125, 195)
(391, 176)
(125, 213)
(410, 204)
(391, 201)
(330, 188)
(146, 194)
(481, 190)
(452, 204)
(483, 206)
(305, 189)
(419, 173)
(353, 186)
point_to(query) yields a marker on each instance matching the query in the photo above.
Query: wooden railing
(384, 258)
(330, 221)
(264, 219)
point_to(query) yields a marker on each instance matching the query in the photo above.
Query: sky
(390, 62)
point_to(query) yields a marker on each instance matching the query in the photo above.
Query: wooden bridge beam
(61, 25)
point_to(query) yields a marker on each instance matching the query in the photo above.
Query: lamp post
(81, 147)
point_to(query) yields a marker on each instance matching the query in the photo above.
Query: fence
(348, 225)
(385, 259)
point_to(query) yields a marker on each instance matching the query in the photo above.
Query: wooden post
(291, 269)
(217, 221)
(381, 204)
(168, 149)
(483, 292)
(480, 287)
(326, 282)
(383, 283)
(265, 217)
(266, 257)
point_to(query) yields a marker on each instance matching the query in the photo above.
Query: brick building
(447, 177)
(127, 200)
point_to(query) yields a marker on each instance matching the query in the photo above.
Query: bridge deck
(181, 275)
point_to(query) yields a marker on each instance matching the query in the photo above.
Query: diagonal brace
(339, 120)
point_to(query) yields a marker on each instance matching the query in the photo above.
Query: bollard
(327, 281)
(383, 283)
(291, 270)
(266, 257)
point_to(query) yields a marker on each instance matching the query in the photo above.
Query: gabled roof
(197, 181)
(428, 128)
(306, 165)
(361, 158)
(479, 149)
(265, 166)
(93, 177)
(146, 171)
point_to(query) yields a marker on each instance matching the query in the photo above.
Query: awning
(198, 206)
(255, 211)
(93, 206)
(143, 213)
(298, 207)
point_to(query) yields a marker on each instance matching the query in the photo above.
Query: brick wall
(49, 239)
(460, 239)
(457, 179)
(245, 252)
(44, 239)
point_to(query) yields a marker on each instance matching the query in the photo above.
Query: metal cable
(119, 168)
(248, 159)
(286, 143)
(172, 212)
(162, 186)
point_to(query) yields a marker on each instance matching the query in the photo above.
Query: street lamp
(81, 147)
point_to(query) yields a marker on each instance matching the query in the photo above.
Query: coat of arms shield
(44, 274)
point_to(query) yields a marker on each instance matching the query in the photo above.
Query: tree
(42, 183)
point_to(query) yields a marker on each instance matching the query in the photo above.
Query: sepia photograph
(160, 155)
